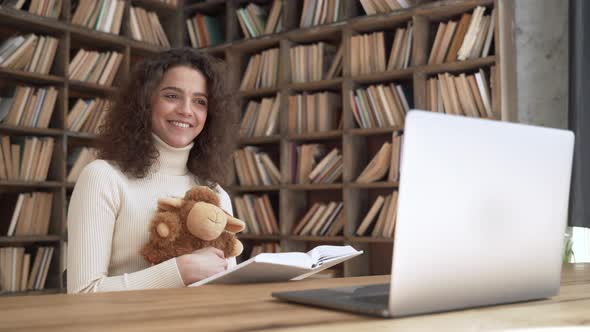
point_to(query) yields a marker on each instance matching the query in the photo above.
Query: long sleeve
(92, 216)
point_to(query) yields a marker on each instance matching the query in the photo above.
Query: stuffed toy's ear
(169, 203)
(234, 225)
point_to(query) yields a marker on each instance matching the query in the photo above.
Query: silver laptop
(481, 218)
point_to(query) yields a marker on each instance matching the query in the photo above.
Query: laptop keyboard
(370, 299)
(382, 299)
(374, 294)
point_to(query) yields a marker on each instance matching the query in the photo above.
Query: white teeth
(180, 124)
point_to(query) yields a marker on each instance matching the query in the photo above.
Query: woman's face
(179, 106)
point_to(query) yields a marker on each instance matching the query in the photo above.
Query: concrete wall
(541, 41)
(542, 46)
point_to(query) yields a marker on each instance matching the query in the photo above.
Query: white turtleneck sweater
(108, 223)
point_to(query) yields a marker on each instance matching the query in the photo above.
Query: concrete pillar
(541, 42)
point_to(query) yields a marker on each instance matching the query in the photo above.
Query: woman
(171, 128)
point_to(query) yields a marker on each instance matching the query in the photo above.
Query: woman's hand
(201, 264)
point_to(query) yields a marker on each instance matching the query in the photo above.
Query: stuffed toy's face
(183, 225)
(207, 221)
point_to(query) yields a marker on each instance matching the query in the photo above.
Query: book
(370, 216)
(284, 266)
(378, 166)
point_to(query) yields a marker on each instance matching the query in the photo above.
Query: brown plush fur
(181, 241)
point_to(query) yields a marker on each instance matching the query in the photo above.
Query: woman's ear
(169, 203)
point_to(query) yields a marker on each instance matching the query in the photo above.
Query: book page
(328, 256)
(324, 254)
(266, 267)
(295, 259)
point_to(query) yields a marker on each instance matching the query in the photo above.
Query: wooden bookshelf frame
(293, 199)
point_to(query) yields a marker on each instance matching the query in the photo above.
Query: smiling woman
(179, 106)
(169, 130)
(183, 76)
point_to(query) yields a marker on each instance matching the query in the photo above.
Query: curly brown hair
(126, 133)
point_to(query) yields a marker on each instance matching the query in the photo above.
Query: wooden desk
(250, 307)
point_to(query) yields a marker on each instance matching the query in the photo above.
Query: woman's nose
(185, 108)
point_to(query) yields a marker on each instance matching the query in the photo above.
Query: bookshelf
(358, 144)
(289, 201)
(71, 38)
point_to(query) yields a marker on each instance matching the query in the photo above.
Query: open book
(268, 267)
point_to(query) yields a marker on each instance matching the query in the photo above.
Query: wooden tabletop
(251, 308)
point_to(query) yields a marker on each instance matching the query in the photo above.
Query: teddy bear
(183, 225)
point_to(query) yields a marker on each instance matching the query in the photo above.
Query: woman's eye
(170, 96)
(201, 102)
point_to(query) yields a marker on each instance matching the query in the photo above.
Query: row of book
(26, 159)
(95, 67)
(105, 16)
(204, 31)
(461, 94)
(317, 12)
(86, 115)
(48, 8)
(78, 158)
(261, 118)
(28, 106)
(322, 219)
(308, 63)
(375, 106)
(100, 15)
(146, 26)
(470, 38)
(31, 215)
(170, 2)
(385, 105)
(379, 106)
(327, 218)
(368, 51)
(311, 62)
(372, 7)
(16, 272)
(368, 54)
(262, 70)
(33, 53)
(255, 21)
(381, 216)
(257, 213)
(312, 163)
(255, 168)
(317, 112)
(385, 162)
(266, 247)
(323, 61)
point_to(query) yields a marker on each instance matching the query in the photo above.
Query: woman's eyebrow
(196, 94)
(171, 88)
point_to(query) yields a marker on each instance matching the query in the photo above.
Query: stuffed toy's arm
(166, 223)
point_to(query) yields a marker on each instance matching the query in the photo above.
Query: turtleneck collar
(172, 160)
